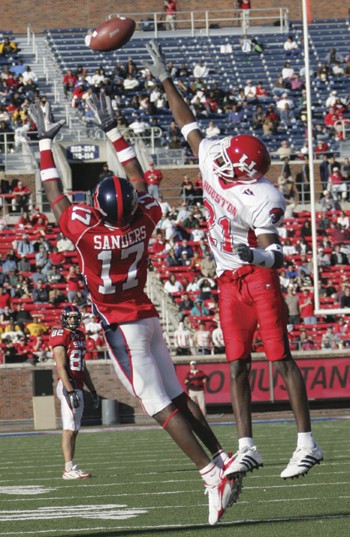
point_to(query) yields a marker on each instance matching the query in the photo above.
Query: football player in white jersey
(244, 210)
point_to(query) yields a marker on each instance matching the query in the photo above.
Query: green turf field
(142, 485)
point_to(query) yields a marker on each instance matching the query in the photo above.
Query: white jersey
(237, 212)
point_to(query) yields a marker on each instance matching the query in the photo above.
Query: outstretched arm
(181, 112)
(49, 174)
(105, 120)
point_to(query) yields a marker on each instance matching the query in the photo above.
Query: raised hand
(158, 68)
(44, 127)
(102, 108)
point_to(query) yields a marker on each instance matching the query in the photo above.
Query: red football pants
(248, 297)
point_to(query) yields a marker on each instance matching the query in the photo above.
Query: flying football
(112, 34)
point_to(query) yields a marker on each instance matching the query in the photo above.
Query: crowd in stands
(39, 274)
(280, 109)
(18, 88)
(184, 264)
(39, 269)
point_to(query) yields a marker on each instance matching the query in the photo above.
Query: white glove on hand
(102, 108)
(44, 128)
(74, 400)
(158, 68)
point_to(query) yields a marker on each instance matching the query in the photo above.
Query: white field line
(115, 528)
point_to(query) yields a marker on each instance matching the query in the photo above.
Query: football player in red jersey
(111, 239)
(68, 348)
(244, 210)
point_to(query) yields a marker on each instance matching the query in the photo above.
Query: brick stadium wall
(41, 15)
(16, 389)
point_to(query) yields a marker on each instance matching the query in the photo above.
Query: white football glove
(158, 68)
(74, 400)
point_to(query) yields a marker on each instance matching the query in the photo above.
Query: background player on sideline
(68, 348)
(244, 210)
(112, 239)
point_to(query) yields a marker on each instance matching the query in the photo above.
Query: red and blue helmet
(116, 200)
(71, 317)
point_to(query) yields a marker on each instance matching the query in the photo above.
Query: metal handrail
(208, 22)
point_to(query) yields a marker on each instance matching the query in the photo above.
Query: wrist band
(263, 258)
(125, 155)
(50, 174)
(114, 134)
(186, 129)
(45, 144)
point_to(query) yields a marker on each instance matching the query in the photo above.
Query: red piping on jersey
(119, 200)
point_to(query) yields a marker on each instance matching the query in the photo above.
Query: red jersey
(114, 260)
(196, 380)
(74, 343)
(153, 177)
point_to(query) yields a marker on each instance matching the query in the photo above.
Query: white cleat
(244, 460)
(302, 461)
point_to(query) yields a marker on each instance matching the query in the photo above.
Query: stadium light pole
(318, 309)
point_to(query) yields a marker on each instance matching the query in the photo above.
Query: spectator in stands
(185, 306)
(5, 299)
(36, 327)
(331, 99)
(22, 316)
(192, 287)
(187, 190)
(42, 260)
(208, 268)
(172, 260)
(40, 293)
(285, 150)
(287, 73)
(333, 56)
(183, 340)
(258, 118)
(153, 178)
(292, 301)
(93, 326)
(64, 244)
(246, 44)
(200, 70)
(290, 192)
(9, 48)
(39, 220)
(197, 233)
(74, 280)
(170, 14)
(202, 339)
(343, 220)
(25, 246)
(21, 195)
(218, 340)
(306, 306)
(212, 131)
(40, 349)
(291, 47)
(345, 169)
(336, 185)
(185, 261)
(206, 285)
(250, 91)
(323, 259)
(11, 330)
(6, 316)
(338, 257)
(172, 285)
(324, 172)
(328, 203)
(10, 262)
(199, 309)
(345, 299)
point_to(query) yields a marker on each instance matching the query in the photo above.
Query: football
(112, 34)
